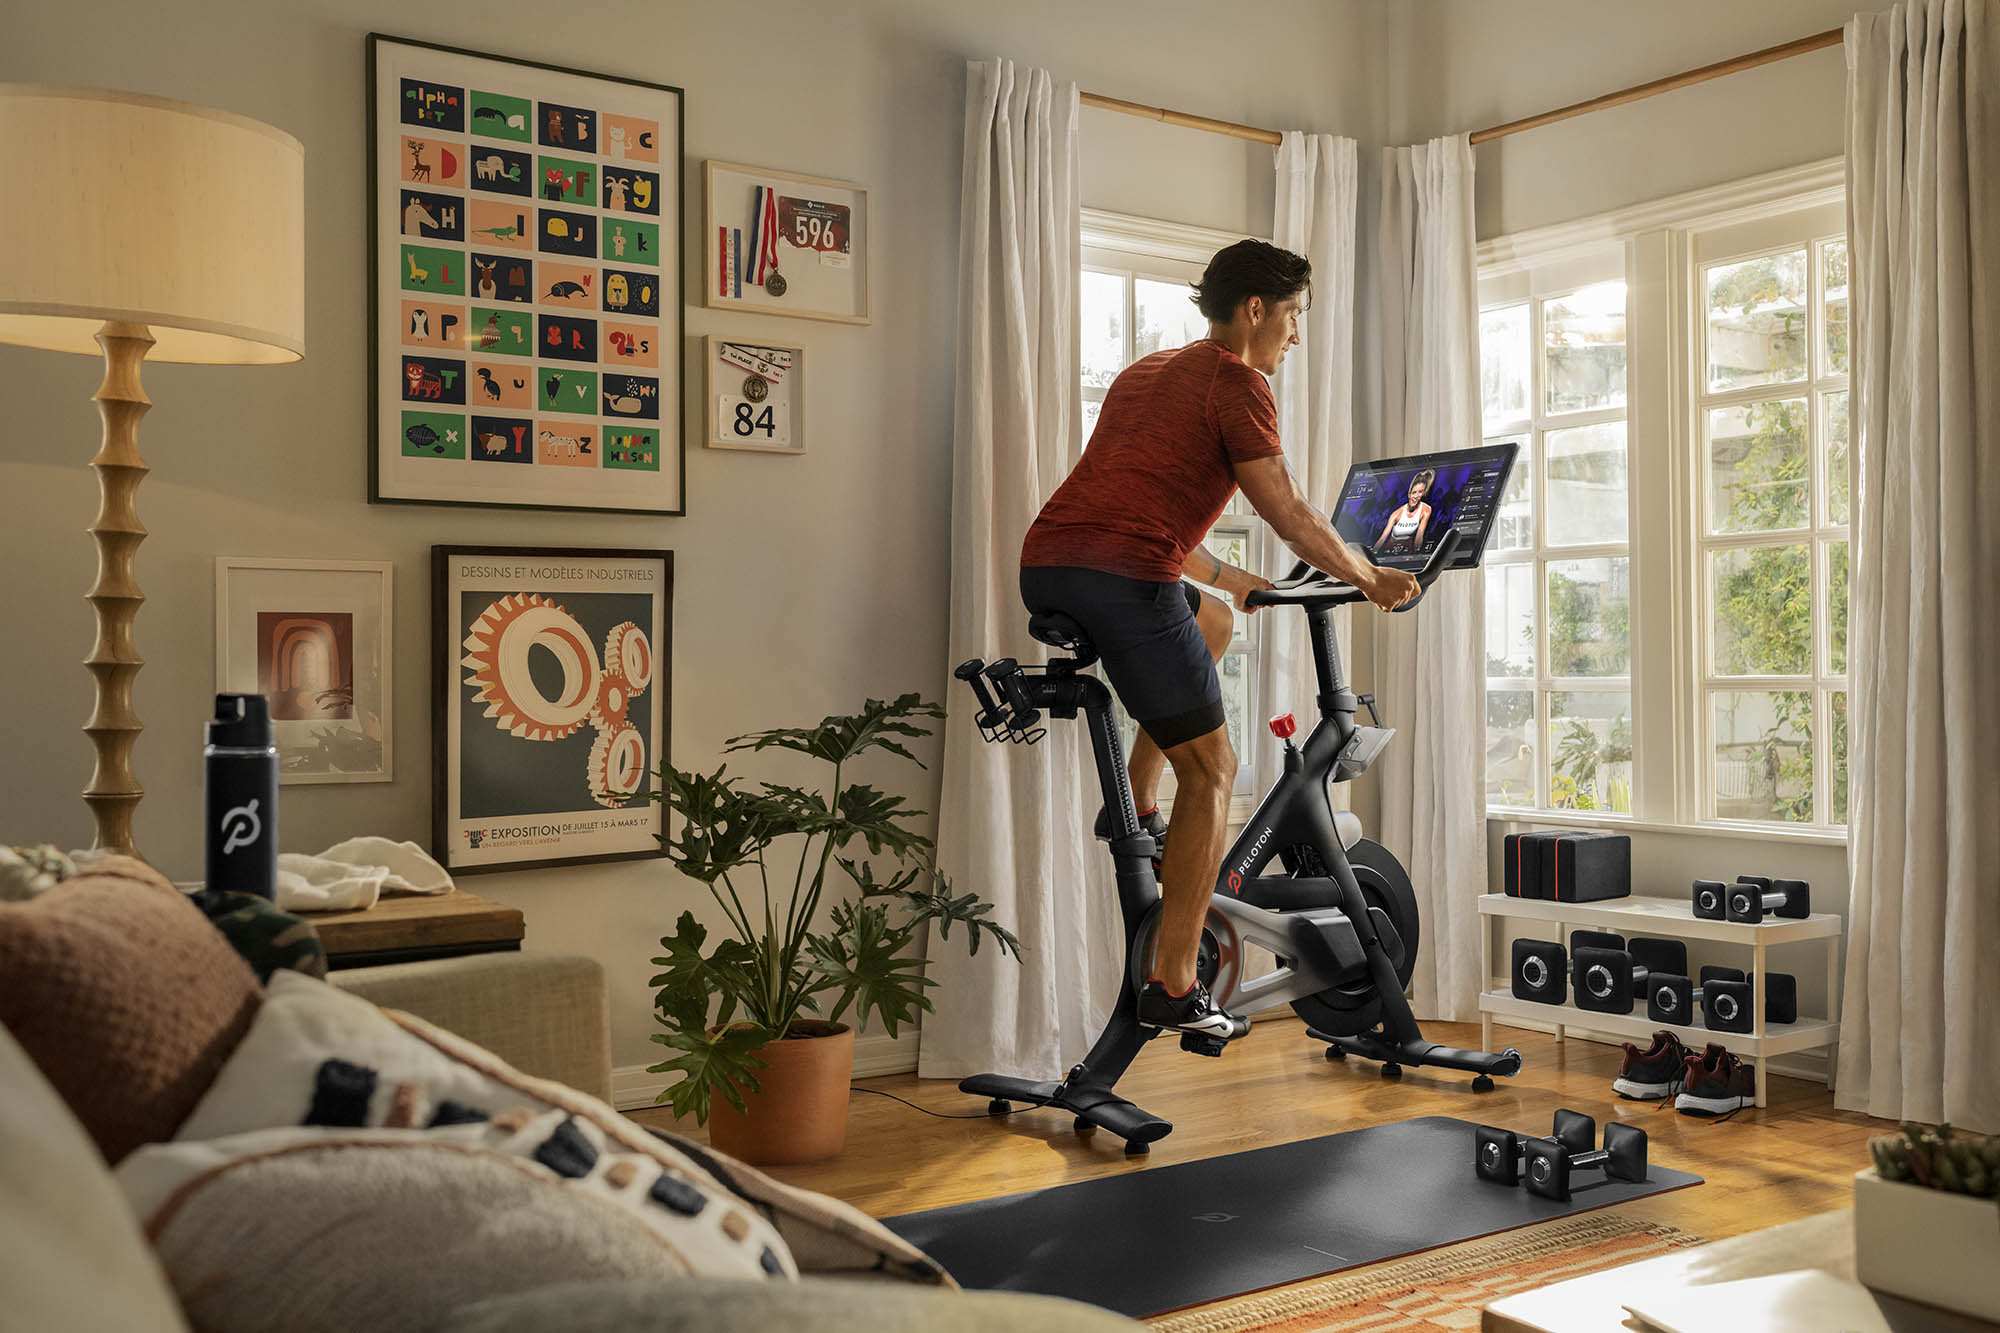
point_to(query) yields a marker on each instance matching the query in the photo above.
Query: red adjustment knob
(1284, 726)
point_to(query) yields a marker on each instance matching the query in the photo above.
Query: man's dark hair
(1246, 269)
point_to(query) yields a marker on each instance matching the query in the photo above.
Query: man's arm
(1276, 497)
(1205, 566)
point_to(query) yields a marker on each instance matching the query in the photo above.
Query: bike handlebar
(1307, 586)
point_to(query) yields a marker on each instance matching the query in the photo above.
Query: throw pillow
(267, 936)
(389, 1229)
(319, 1055)
(124, 995)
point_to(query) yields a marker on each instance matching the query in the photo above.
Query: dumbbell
(1751, 898)
(1498, 1153)
(1504, 1157)
(1549, 1165)
(1540, 971)
(1608, 981)
(1724, 999)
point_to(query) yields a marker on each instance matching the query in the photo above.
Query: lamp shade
(118, 206)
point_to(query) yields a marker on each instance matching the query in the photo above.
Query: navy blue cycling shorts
(1145, 633)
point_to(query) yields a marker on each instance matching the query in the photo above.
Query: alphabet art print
(526, 288)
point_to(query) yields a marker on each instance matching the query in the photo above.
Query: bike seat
(1059, 631)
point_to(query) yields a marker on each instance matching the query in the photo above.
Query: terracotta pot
(799, 1113)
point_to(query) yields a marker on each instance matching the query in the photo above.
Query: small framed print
(526, 286)
(756, 396)
(313, 637)
(552, 697)
(785, 244)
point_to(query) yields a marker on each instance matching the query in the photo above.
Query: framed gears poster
(784, 244)
(552, 693)
(526, 303)
(756, 395)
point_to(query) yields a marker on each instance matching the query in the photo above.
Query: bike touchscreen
(1401, 507)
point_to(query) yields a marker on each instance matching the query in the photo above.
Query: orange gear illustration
(497, 663)
(614, 700)
(629, 652)
(617, 765)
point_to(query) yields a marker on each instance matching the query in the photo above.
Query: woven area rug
(1442, 1290)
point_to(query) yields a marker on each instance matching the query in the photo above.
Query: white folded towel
(353, 874)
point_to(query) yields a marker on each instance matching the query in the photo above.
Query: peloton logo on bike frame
(1242, 867)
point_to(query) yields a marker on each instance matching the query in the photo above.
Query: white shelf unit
(1674, 918)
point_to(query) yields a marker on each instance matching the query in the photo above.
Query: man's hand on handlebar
(1390, 588)
(1240, 591)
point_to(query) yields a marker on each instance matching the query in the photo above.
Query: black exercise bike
(1337, 910)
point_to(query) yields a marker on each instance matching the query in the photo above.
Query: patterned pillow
(124, 996)
(318, 1055)
(390, 1229)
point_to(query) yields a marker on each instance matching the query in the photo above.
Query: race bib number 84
(745, 422)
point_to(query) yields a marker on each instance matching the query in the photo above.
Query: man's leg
(1215, 621)
(1204, 771)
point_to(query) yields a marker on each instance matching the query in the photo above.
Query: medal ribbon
(761, 261)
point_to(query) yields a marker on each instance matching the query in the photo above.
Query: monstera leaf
(837, 739)
(710, 1061)
(861, 958)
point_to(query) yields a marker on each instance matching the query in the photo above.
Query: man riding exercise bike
(1179, 433)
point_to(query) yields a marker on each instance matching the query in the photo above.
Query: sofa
(418, 1145)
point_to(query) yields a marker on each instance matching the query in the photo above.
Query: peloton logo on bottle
(1242, 867)
(241, 827)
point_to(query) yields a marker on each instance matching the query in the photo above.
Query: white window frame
(1811, 229)
(1173, 252)
(1665, 443)
(1534, 287)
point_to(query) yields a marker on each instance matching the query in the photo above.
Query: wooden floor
(1795, 1157)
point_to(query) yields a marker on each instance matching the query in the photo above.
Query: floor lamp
(146, 227)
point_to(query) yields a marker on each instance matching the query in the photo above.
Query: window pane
(1583, 341)
(1165, 317)
(1837, 798)
(1503, 363)
(1514, 525)
(1092, 409)
(1103, 328)
(1763, 611)
(1510, 747)
(1757, 321)
(1590, 617)
(1590, 751)
(1586, 484)
(1763, 755)
(1235, 670)
(1833, 270)
(1757, 467)
(1836, 608)
(1510, 620)
(1834, 432)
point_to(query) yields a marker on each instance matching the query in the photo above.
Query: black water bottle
(242, 763)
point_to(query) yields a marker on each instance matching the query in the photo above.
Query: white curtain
(1012, 818)
(1315, 212)
(1920, 1027)
(1429, 660)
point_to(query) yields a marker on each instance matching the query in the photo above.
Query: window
(1134, 302)
(1666, 585)
(1558, 568)
(1771, 524)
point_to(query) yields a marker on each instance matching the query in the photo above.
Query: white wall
(804, 585)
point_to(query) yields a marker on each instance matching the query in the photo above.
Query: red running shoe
(1654, 1074)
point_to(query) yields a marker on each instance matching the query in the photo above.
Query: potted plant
(1925, 1222)
(745, 1013)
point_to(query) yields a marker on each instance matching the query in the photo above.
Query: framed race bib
(756, 396)
(784, 244)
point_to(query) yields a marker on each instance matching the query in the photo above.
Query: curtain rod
(1770, 54)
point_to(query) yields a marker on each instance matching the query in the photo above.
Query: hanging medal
(763, 256)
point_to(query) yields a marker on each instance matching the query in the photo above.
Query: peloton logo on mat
(1215, 1217)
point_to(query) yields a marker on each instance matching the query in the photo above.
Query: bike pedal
(1200, 1045)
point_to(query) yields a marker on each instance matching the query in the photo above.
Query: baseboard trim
(634, 1087)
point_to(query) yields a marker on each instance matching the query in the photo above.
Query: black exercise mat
(1155, 1239)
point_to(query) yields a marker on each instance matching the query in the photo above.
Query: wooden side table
(1595, 1303)
(409, 928)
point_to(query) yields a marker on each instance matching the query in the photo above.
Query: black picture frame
(592, 462)
(574, 607)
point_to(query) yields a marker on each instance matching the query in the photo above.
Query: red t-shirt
(1160, 466)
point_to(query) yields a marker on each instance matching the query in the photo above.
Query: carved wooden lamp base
(114, 793)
